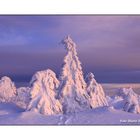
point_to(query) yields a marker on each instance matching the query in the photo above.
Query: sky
(108, 46)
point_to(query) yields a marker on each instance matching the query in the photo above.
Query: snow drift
(43, 93)
(96, 92)
(7, 89)
(72, 90)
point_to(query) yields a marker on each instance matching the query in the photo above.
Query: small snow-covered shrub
(7, 89)
(96, 92)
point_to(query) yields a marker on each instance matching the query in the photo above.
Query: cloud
(104, 43)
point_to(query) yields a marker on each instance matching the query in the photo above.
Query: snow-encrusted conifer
(43, 93)
(72, 91)
(96, 92)
(131, 101)
(7, 89)
(23, 97)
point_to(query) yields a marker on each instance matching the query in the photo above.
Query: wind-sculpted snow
(72, 90)
(43, 93)
(96, 92)
(7, 89)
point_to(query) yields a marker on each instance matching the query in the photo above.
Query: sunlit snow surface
(11, 114)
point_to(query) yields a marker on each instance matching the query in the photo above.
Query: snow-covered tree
(23, 97)
(7, 89)
(131, 101)
(96, 92)
(43, 93)
(72, 91)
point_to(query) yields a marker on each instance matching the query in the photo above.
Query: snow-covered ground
(10, 114)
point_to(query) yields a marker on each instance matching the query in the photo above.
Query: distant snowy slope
(112, 88)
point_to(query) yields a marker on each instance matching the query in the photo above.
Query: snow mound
(132, 101)
(96, 92)
(43, 93)
(23, 97)
(72, 90)
(7, 89)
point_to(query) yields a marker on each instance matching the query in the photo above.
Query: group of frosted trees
(70, 93)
